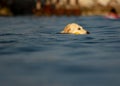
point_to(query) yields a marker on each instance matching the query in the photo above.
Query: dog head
(74, 28)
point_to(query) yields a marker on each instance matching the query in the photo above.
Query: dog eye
(79, 28)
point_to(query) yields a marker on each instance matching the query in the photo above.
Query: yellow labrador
(74, 28)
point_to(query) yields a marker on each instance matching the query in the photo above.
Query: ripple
(29, 49)
(20, 50)
(78, 69)
(9, 34)
(8, 41)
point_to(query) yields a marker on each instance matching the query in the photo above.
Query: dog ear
(67, 29)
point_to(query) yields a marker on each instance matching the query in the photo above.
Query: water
(32, 54)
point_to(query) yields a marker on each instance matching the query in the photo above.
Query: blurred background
(58, 7)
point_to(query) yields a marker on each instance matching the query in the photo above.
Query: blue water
(33, 54)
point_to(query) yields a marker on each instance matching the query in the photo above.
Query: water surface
(33, 54)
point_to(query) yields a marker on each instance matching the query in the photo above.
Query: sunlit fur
(74, 28)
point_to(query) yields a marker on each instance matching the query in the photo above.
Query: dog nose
(88, 32)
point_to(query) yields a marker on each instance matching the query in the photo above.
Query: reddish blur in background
(58, 7)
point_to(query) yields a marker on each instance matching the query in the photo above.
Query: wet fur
(74, 28)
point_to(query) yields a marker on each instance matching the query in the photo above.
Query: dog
(74, 28)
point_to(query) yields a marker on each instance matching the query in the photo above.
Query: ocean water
(33, 54)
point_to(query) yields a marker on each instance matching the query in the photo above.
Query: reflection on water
(32, 54)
